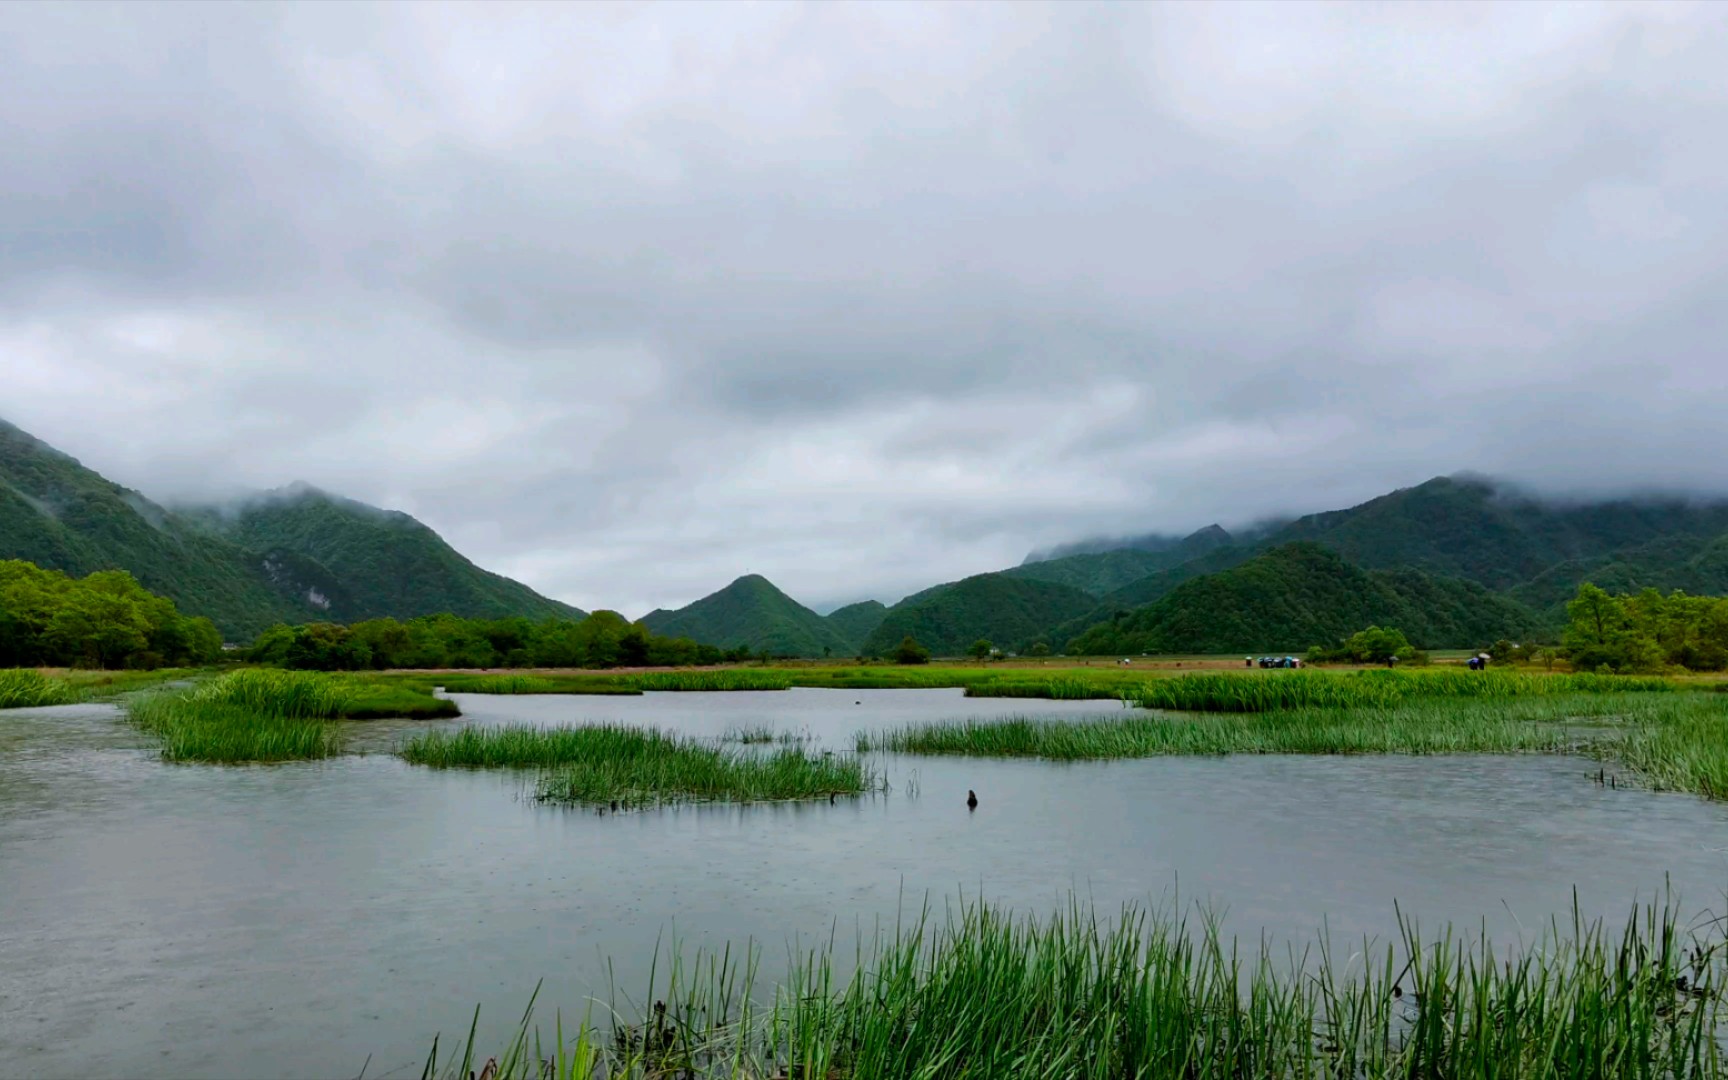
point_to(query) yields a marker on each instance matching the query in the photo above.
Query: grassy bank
(267, 715)
(982, 995)
(607, 764)
(1268, 691)
(27, 688)
(1227, 691)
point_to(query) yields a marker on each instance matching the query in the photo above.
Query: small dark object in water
(857, 703)
(971, 799)
(614, 806)
(831, 798)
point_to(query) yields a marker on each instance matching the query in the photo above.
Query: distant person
(1248, 661)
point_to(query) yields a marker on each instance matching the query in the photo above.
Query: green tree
(910, 652)
(981, 649)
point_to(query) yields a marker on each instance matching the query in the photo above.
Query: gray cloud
(628, 300)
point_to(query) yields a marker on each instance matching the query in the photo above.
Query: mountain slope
(854, 622)
(291, 560)
(1479, 530)
(61, 516)
(379, 562)
(753, 613)
(1102, 572)
(1302, 594)
(1009, 611)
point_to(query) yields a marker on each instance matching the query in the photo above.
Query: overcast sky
(627, 301)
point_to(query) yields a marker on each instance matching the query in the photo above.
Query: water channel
(295, 920)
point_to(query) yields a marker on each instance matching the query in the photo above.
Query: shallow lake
(293, 920)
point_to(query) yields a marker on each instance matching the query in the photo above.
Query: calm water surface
(290, 920)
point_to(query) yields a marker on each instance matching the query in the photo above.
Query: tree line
(1645, 631)
(104, 620)
(604, 639)
(1632, 633)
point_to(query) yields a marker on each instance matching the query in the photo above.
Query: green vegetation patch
(26, 688)
(264, 715)
(983, 995)
(230, 734)
(1266, 691)
(1419, 727)
(606, 764)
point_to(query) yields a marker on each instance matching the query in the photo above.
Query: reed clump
(1678, 744)
(983, 995)
(604, 764)
(262, 715)
(1057, 689)
(27, 688)
(230, 734)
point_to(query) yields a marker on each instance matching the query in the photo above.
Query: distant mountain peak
(752, 612)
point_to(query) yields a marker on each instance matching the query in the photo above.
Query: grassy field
(259, 715)
(1058, 679)
(625, 767)
(24, 688)
(982, 995)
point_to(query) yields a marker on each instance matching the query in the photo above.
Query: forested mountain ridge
(1530, 551)
(1008, 611)
(59, 515)
(1302, 594)
(752, 612)
(378, 562)
(854, 622)
(1103, 572)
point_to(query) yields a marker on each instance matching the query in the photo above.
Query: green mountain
(753, 613)
(58, 514)
(1484, 532)
(1534, 552)
(1692, 564)
(1010, 611)
(1302, 594)
(374, 562)
(854, 622)
(1103, 572)
(61, 516)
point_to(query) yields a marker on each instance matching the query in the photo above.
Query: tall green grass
(1057, 689)
(1679, 744)
(605, 764)
(218, 733)
(1416, 727)
(263, 714)
(983, 995)
(1267, 691)
(26, 688)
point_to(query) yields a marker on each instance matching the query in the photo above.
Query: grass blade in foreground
(603, 764)
(985, 996)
